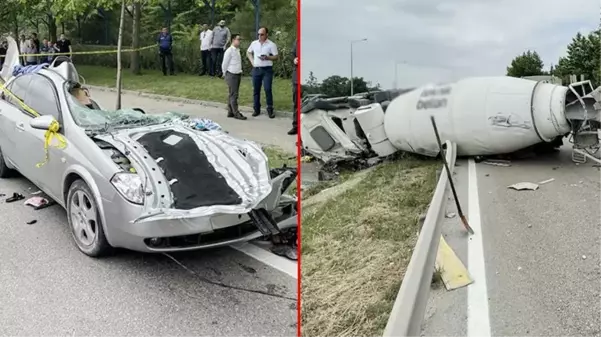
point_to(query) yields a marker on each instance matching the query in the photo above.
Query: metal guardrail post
(409, 307)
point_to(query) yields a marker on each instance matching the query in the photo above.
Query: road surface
(47, 287)
(538, 269)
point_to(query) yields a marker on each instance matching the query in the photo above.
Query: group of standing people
(221, 62)
(261, 54)
(212, 48)
(31, 48)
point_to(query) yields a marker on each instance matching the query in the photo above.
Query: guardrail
(409, 307)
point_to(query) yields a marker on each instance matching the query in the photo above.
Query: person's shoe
(271, 113)
(256, 113)
(293, 131)
(240, 116)
(230, 115)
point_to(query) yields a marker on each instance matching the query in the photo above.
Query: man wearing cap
(221, 38)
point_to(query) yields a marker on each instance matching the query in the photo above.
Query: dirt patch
(356, 246)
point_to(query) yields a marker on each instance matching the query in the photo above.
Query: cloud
(435, 40)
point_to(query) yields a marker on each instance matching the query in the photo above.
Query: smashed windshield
(88, 115)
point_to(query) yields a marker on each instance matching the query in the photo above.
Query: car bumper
(179, 234)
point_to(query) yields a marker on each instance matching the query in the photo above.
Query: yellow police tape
(93, 52)
(51, 133)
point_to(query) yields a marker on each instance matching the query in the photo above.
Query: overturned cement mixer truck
(483, 115)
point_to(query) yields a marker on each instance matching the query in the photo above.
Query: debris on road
(546, 181)
(450, 215)
(31, 222)
(497, 162)
(524, 186)
(450, 177)
(39, 203)
(452, 271)
(15, 197)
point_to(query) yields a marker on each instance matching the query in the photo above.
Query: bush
(186, 56)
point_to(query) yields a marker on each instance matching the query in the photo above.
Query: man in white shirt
(231, 68)
(206, 36)
(22, 48)
(261, 54)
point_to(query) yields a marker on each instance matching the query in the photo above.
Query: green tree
(582, 58)
(527, 64)
(337, 86)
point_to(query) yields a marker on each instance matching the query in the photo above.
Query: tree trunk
(119, 43)
(79, 29)
(135, 55)
(16, 28)
(52, 27)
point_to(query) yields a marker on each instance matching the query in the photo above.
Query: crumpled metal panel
(241, 162)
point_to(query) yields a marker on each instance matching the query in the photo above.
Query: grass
(356, 247)
(188, 86)
(277, 157)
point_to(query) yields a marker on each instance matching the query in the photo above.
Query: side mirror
(42, 122)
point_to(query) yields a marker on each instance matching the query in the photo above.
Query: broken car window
(97, 119)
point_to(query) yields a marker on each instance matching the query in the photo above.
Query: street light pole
(396, 73)
(353, 42)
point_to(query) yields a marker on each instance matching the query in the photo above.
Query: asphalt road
(541, 252)
(47, 287)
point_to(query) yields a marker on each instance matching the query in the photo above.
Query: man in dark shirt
(165, 41)
(36, 42)
(64, 46)
(294, 57)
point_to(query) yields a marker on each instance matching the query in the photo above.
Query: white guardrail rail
(409, 307)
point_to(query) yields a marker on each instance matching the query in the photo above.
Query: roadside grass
(356, 246)
(188, 86)
(277, 157)
(322, 185)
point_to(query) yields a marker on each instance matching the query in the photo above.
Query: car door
(42, 97)
(10, 115)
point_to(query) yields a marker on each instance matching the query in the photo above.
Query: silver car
(142, 182)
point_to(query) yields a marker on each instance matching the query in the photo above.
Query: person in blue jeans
(261, 53)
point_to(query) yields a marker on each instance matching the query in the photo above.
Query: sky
(435, 40)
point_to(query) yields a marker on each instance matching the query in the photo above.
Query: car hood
(188, 173)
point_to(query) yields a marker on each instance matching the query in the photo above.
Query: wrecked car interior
(485, 116)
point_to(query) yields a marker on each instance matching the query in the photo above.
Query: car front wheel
(85, 222)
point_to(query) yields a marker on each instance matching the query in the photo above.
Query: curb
(279, 114)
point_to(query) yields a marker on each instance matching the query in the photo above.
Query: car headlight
(130, 186)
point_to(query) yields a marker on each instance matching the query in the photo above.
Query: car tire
(85, 222)
(5, 171)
